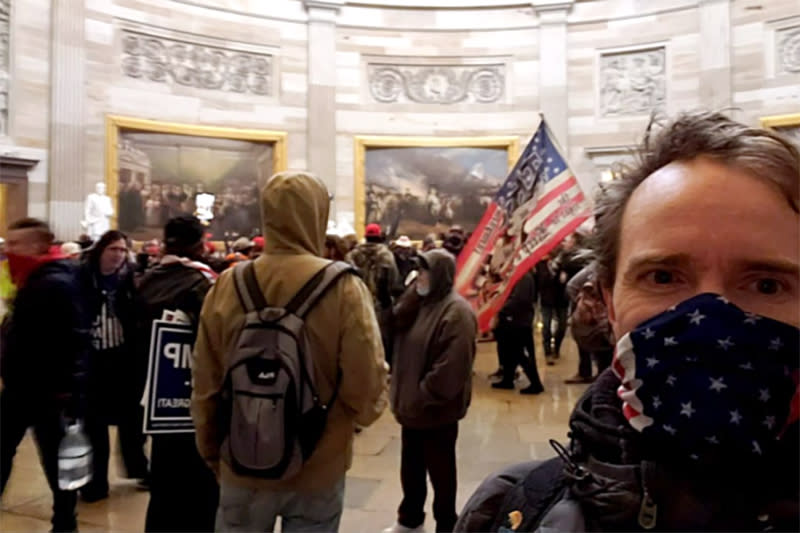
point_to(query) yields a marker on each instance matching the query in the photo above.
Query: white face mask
(424, 283)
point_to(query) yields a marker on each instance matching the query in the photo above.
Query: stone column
(553, 64)
(715, 54)
(67, 118)
(321, 131)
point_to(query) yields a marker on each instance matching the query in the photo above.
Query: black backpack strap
(250, 295)
(312, 291)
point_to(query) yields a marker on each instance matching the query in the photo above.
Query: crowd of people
(686, 299)
(144, 208)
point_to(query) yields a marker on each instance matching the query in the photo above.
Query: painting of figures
(415, 187)
(162, 174)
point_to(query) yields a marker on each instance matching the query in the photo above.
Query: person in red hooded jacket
(43, 376)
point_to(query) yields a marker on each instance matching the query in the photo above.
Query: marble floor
(501, 428)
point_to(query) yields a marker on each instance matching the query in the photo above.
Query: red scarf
(21, 266)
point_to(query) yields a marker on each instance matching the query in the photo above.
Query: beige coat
(342, 332)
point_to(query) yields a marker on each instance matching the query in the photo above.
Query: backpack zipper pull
(648, 512)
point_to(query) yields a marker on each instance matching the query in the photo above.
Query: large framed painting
(788, 125)
(158, 170)
(416, 186)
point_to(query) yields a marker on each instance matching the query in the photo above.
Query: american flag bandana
(706, 379)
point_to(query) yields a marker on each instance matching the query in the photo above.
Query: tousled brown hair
(763, 153)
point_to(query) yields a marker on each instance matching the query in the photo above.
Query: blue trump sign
(169, 379)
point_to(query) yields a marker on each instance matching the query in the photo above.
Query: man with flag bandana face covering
(695, 426)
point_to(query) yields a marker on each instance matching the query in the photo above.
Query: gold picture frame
(116, 124)
(787, 124)
(363, 143)
(781, 121)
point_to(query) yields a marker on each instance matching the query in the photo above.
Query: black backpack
(532, 498)
(275, 414)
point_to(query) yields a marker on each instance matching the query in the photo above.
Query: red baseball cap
(373, 230)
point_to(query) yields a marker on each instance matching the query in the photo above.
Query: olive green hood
(294, 210)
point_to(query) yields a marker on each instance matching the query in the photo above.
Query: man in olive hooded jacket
(343, 334)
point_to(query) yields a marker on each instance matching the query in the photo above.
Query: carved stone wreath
(194, 65)
(440, 84)
(789, 50)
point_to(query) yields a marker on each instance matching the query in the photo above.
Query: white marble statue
(98, 211)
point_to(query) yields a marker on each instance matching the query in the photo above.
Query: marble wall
(326, 71)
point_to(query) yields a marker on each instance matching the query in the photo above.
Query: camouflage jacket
(371, 259)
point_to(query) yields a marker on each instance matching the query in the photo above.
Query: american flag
(539, 204)
(706, 378)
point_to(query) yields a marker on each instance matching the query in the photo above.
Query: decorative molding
(633, 82)
(323, 10)
(5, 23)
(787, 44)
(436, 84)
(183, 60)
(607, 156)
(552, 11)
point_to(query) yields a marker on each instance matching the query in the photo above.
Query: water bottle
(74, 459)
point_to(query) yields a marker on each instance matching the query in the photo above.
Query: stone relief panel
(165, 59)
(436, 84)
(788, 47)
(5, 19)
(633, 83)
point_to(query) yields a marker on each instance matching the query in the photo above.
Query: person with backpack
(377, 266)
(589, 324)
(431, 389)
(183, 493)
(288, 360)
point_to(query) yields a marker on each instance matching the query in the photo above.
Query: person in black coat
(184, 493)
(514, 335)
(555, 304)
(113, 399)
(552, 276)
(44, 348)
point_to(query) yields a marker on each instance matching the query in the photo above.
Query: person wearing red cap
(258, 247)
(377, 265)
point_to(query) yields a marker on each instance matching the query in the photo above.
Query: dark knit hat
(184, 231)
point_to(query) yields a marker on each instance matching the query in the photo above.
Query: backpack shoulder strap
(311, 292)
(250, 295)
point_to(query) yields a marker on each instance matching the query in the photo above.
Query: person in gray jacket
(434, 350)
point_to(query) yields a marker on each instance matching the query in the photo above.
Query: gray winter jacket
(433, 355)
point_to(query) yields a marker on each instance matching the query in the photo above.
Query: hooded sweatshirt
(433, 356)
(342, 331)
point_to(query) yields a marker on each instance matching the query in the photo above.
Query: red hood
(21, 266)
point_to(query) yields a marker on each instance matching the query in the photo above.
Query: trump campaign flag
(539, 204)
